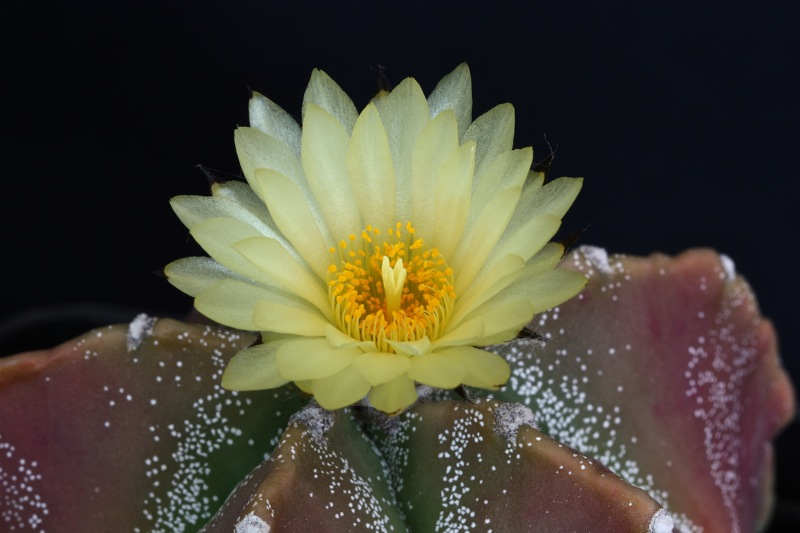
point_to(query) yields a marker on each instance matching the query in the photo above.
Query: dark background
(682, 116)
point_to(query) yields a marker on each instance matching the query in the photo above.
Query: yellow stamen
(393, 280)
(401, 290)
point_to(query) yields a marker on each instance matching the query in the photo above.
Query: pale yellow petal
(283, 271)
(232, 202)
(489, 322)
(256, 150)
(404, 113)
(193, 275)
(508, 170)
(232, 302)
(545, 259)
(295, 219)
(393, 396)
(338, 339)
(453, 197)
(530, 189)
(270, 118)
(531, 237)
(193, 210)
(478, 241)
(525, 241)
(296, 318)
(437, 370)
(503, 273)
(369, 163)
(340, 390)
(324, 150)
(436, 144)
(308, 359)
(484, 369)
(538, 213)
(454, 91)
(415, 347)
(217, 235)
(378, 368)
(325, 93)
(493, 132)
(544, 290)
(254, 368)
(244, 198)
(554, 198)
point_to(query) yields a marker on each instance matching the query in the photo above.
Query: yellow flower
(374, 251)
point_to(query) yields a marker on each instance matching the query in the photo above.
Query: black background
(682, 116)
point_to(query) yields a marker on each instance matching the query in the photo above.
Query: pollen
(389, 289)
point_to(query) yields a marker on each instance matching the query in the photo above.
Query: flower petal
(283, 271)
(436, 144)
(244, 198)
(267, 116)
(369, 163)
(548, 289)
(217, 235)
(393, 396)
(489, 323)
(340, 390)
(305, 359)
(193, 275)
(416, 347)
(404, 113)
(453, 197)
(502, 274)
(232, 199)
(193, 210)
(437, 370)
(254, 368)
(256, 149)
(293, 317)
(295, 219)
(378, 368)
(324, 149)
(454, 91)
(477, 244)
(338, 339)
(508, 170)
(531, 237)
(325, 93)
(484, 369)
(554, 198)
(493, 132)
(490, 215)
(231, 302)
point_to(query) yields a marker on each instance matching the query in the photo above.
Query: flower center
(389, 289)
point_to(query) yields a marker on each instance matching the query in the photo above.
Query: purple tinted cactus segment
(648, 404)
(127, 428)
(663, 370)
(483, 467)
(324, 476)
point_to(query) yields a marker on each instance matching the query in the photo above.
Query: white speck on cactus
(139, 329)
(598, 258)
(23, 506)
(661, 522)
(729, 266)
(318, 421)
(251, 524)
(509, 417)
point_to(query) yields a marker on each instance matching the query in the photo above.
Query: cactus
(647, 403)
